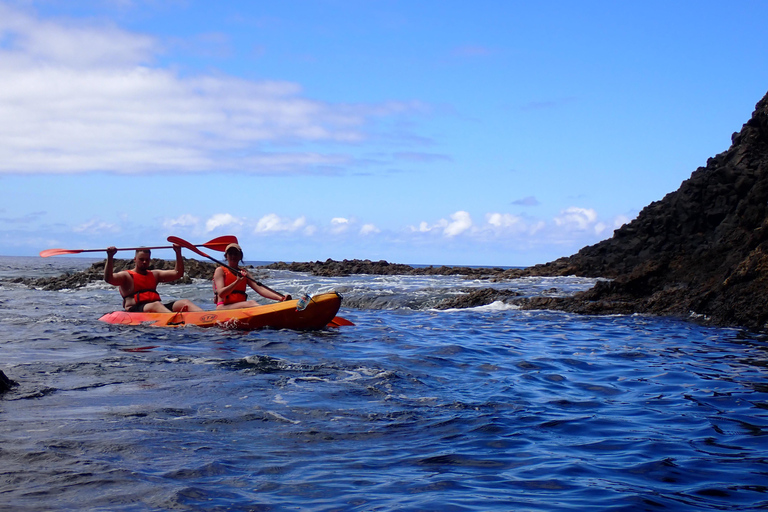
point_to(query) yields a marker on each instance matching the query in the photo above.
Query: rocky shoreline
(333, 268)
(193, 269)
(699, 253)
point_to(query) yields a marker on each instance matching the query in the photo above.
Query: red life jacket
(144, 288)
(236, 295)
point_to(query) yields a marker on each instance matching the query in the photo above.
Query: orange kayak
(318, 313)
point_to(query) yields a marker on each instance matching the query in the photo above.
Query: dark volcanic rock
(474, 298)
(702, 249)
(333, 268)
(6, 383)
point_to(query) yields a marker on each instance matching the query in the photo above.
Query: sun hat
(234, 246)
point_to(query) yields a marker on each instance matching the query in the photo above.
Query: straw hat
(234, 246)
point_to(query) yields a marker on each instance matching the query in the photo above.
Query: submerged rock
(475, 298)
(6, 383)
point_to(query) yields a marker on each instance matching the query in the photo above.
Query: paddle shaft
(180, 241)
(218, 244)
(77, 251)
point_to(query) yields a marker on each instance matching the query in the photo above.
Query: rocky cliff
(701, 250)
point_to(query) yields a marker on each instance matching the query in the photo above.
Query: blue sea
(412, 409)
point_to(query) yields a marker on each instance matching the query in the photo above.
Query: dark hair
(235, 250)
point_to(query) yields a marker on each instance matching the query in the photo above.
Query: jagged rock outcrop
(479, 297)
(6, 383)
(701, 250)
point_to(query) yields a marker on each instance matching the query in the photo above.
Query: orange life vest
(237, 295)
(144, 288)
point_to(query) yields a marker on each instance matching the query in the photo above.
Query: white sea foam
(494, 306)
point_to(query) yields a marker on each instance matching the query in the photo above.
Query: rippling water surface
(412, 409)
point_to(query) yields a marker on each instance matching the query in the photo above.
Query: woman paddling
(230, 289)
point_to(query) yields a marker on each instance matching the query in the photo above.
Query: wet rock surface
(474, 298)
(5, 383)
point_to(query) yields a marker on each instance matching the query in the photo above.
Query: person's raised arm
(166, 276)
(109, 275)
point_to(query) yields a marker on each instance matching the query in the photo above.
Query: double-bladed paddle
(217, 244)
(336, 322)
(180, 241)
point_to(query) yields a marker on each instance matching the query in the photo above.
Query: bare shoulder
(122, 277)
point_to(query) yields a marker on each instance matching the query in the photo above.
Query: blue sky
(443, 132)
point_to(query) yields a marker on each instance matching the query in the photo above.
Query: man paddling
(138, 286)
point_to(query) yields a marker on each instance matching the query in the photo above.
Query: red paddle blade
(57, 252)
(180, 241)
(221, 243)
(339, 321)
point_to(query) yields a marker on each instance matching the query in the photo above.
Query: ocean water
(412, 409)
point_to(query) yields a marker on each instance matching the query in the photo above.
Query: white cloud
(600, 228)
(95, 226)
(423, 227)
(604, 229)
(339, 225)
(85, 98)
(182, 221)
(272, 223)
(573, 228)
(461, 221)
(504, 220)
(220, 220)
(73, 45)
(576, 218)
(369, 229)
(620, 220)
